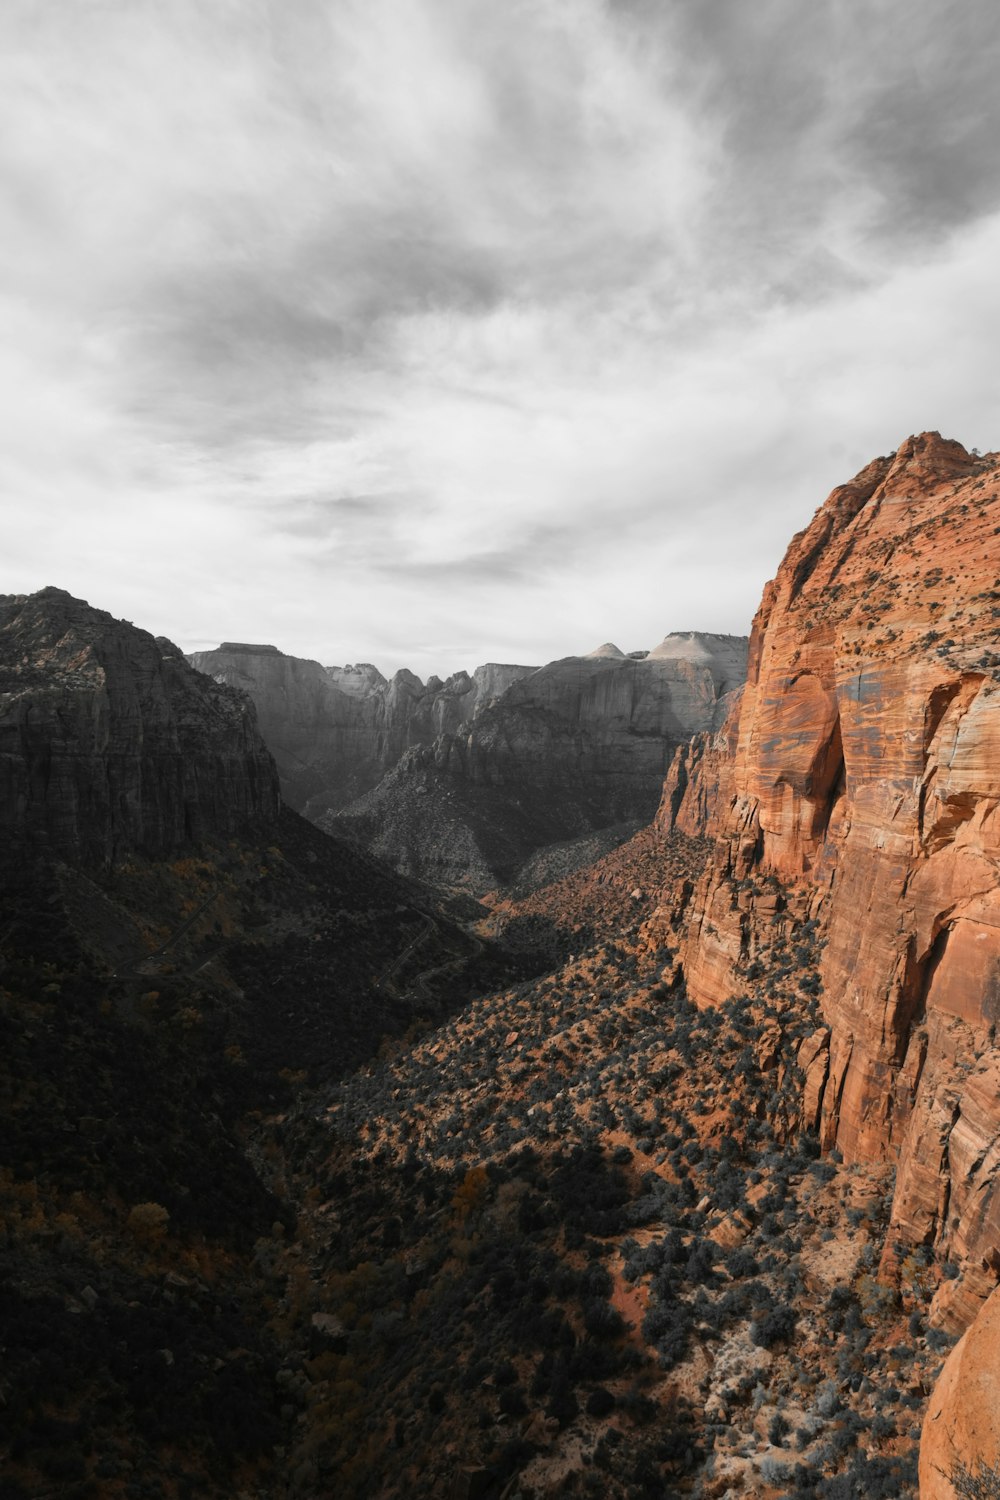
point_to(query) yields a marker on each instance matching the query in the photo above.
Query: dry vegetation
(565, 1237)
(574, 1241)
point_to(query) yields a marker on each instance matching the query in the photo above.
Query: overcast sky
(431, 332)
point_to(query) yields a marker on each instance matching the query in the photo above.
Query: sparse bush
(775, 1327)
(984, 1484)
(600, 1402)
(148, 1222)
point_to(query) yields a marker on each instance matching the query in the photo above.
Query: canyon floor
(565, 1234)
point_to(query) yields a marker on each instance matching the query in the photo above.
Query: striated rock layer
(109, 742)
(575, 746)
(335, 731)
(865, 778)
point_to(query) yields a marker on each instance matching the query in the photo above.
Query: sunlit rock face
(961, 1428)
(110, 742)
(335, 731)
(865, 775)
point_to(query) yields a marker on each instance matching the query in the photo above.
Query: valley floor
(574, 1241)
(566, 1236)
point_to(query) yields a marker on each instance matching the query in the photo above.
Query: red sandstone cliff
(866, 778)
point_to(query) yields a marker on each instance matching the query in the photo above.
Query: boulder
(962, 1425)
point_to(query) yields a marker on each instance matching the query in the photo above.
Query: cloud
(433, 330)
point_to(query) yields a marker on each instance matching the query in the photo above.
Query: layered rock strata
(865, 780)
(577, 745)
(109, 742)
(336, 731)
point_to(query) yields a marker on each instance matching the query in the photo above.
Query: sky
(433, 332)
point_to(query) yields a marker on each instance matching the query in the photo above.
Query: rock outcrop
(577, 745)
(109, 742)
(865, 783)
(961, 1431)
(336, 731)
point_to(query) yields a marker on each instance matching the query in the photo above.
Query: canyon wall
(335, 731)
(109, 742)
(580, 744)
(865, 778)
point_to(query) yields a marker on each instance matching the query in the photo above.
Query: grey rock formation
(335, 731)
(577, 745)
(110, 743)
(460, 781)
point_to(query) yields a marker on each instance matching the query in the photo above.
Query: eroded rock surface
(336, 731)
(961, 1430)
(109, 742)
(578, 745)
(865, 781)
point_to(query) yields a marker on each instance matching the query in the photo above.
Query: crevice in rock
(938, 703)
(832, 1130)
(918, 976)
(837, 784)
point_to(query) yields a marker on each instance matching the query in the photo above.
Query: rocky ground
(576, 1240)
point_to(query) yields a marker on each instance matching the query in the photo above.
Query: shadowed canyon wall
(109, 742)
(865, 777)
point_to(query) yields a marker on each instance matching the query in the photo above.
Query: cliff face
(109, 742)
(335, 731)
(578, 745)
(598, 727)
(866, 779)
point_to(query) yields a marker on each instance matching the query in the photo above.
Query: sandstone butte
(861, 769)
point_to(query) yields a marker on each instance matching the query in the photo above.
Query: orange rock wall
(962, 1426)
(866, 777)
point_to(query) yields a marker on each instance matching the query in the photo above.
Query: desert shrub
(600, 1402)
(512, 1402)
(700, 1267)
(666, 1326)
(741, 1263)
(827, 1399)
(776, 1326)
(148, 1222)
(601, 1320)
(877, 1300)
(984, 1484)
(563, 1405)
(883, 1426)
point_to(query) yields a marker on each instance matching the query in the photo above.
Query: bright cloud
(434, 331)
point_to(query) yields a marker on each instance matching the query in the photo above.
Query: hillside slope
(180, 958)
